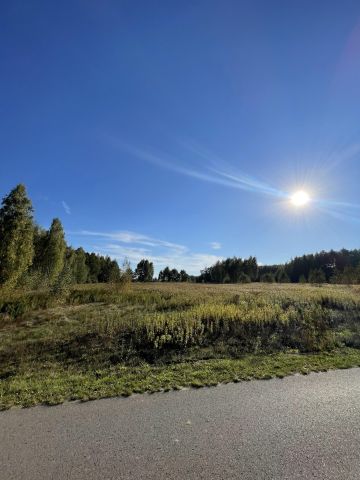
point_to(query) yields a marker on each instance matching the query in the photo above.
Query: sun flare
(300, 198)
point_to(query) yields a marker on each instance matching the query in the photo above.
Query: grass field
(102, 341)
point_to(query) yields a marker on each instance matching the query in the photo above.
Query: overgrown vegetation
(102, 340)
(61, 340)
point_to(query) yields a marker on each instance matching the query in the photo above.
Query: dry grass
(103, 341)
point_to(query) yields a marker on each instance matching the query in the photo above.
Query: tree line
(173, 275)
(35, 257)
(341, 267)
(31, 256)
(231, 270)
(334, 267)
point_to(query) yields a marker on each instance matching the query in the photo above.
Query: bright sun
(300, 198)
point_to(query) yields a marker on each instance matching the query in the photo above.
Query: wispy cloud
(136, 238)
(136, 246)
(340, 210)
(215, 245)
(66, 207)
(214, 171)
(210, 168)
(192, 262)
(348, 152)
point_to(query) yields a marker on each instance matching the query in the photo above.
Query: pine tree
(184, 277)
(54, 252)
(317, 276)
(267, 278)
(244, 278)
(115, 272)
(144, 271)
(62, 284)
(16, 236)
(127, 270)
(80, 268)
(164, 275)
(34, 277)
(281, 276)
(174, 275)
(40, 238)
(93, 263)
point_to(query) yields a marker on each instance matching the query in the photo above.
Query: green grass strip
(53, 383)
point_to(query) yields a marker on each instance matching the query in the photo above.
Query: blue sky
(176, 130)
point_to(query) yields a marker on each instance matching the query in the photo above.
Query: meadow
(104, 340)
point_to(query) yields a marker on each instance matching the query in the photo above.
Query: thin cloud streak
(348, 152)
(341, 215)
(253, 185)
(344, 211)
(214, 173)
(333, 203)
(66, 207)
(132, 237)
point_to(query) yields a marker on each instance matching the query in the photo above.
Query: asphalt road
(298, 427)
